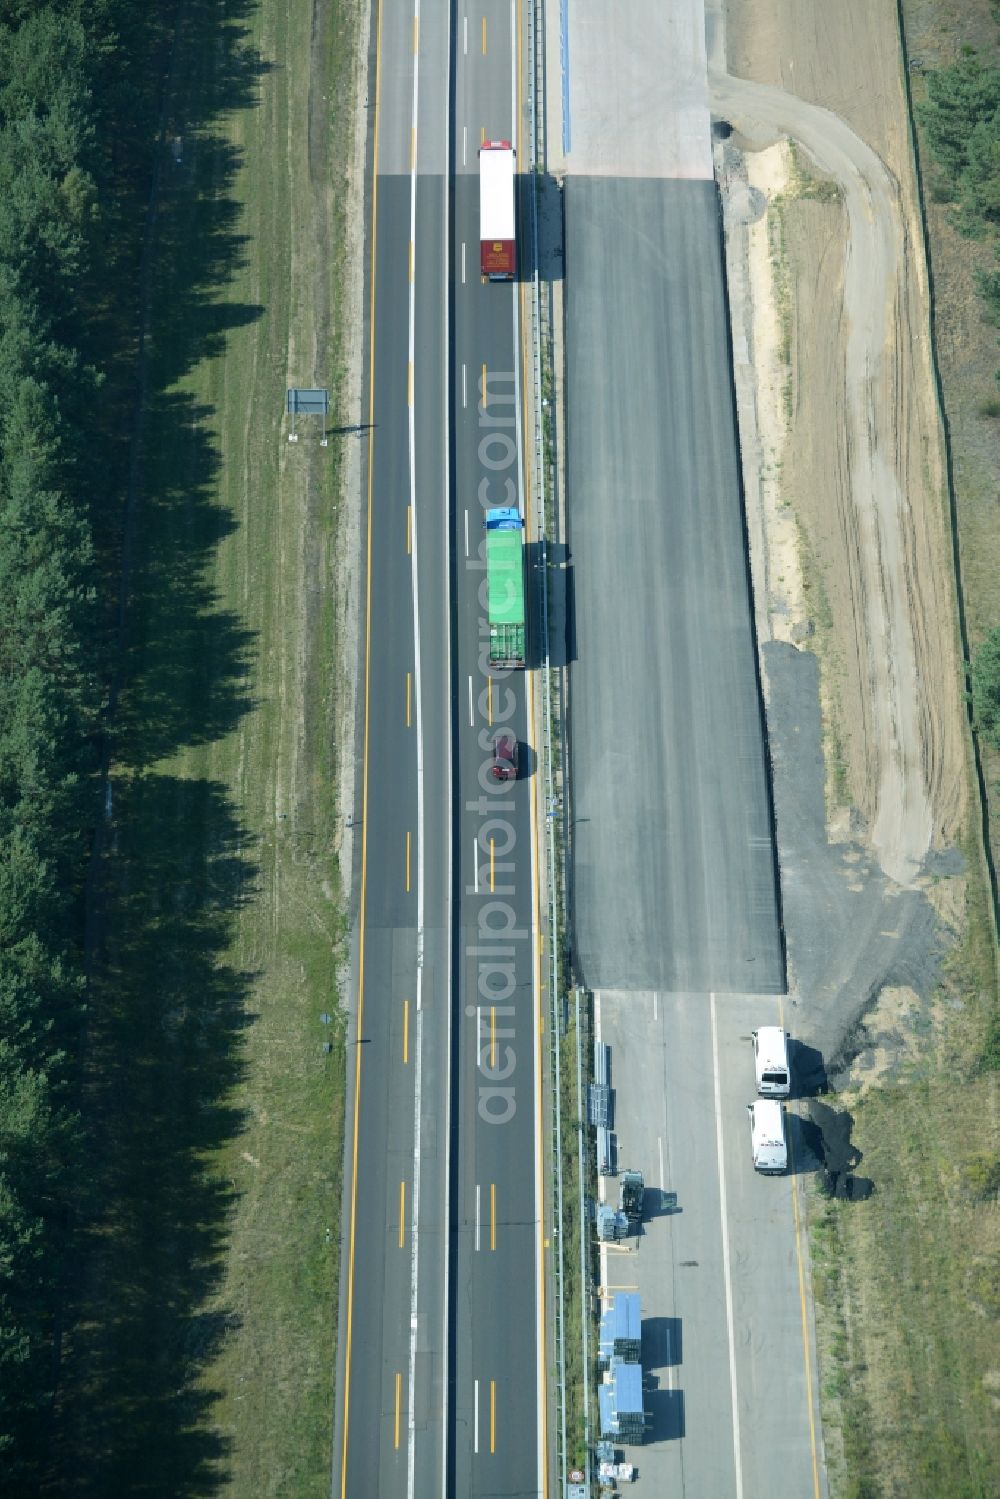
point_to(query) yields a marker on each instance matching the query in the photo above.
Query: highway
(440, 1370)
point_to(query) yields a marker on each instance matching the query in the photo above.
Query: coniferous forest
(78, 128)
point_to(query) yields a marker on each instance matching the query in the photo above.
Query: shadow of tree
(163, 1061)
(173, 867)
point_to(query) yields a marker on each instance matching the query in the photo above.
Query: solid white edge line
(515, 42)
(475, 866)
(472, 721)
(475, 1415)
(725, 1252)
(415, 574)
(467, 541)
(536, 1050)
(445, 271)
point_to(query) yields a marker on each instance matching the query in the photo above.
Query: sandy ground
(853, 441)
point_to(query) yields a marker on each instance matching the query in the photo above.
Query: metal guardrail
(537, 155)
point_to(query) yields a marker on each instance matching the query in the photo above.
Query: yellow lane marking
(416, 35)
(485, 395)
(406, 1031)
(348, 1334)
(399, 1402)
(409, 529)
(407, 861)
(803, 1308)
(492, 868)
(482, 134)
(493, 1415)
(402, 1213)
(484, 36)
(493, 1215)
(409, 697)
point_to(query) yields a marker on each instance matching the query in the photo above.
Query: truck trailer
(505, 587)
(497, 242)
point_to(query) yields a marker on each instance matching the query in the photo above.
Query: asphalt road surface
(674, 878)
(730, 1401)
(440, 1377)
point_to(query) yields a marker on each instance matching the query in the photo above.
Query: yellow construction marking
(484, 36)
(409, 529)
(406, 1031)
(399, 1402)
(409, 696)
(407, 861)
(492, 867)
(484, 388)
(803, 1309)
(493, 1215)
(493, 1415)
(402, 1213)
(348, 1332)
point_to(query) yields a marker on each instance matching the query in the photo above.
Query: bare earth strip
(880, 442)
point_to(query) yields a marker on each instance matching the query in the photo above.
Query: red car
(504, 755)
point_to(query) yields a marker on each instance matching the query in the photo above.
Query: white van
(767, 1136)
(770, 1060)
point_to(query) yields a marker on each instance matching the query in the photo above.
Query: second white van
(770, 1060)
(767, 1136)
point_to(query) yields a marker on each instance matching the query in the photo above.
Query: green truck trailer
(505, 587)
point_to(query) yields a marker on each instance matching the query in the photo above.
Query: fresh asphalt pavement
(438, 1380)
(674, 879)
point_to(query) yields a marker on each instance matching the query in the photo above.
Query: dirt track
(860, 451)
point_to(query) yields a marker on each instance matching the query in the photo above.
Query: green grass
(907, 1285)
(200, 1355)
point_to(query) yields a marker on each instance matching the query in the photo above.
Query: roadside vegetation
(908, 1284)
(173, 202)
